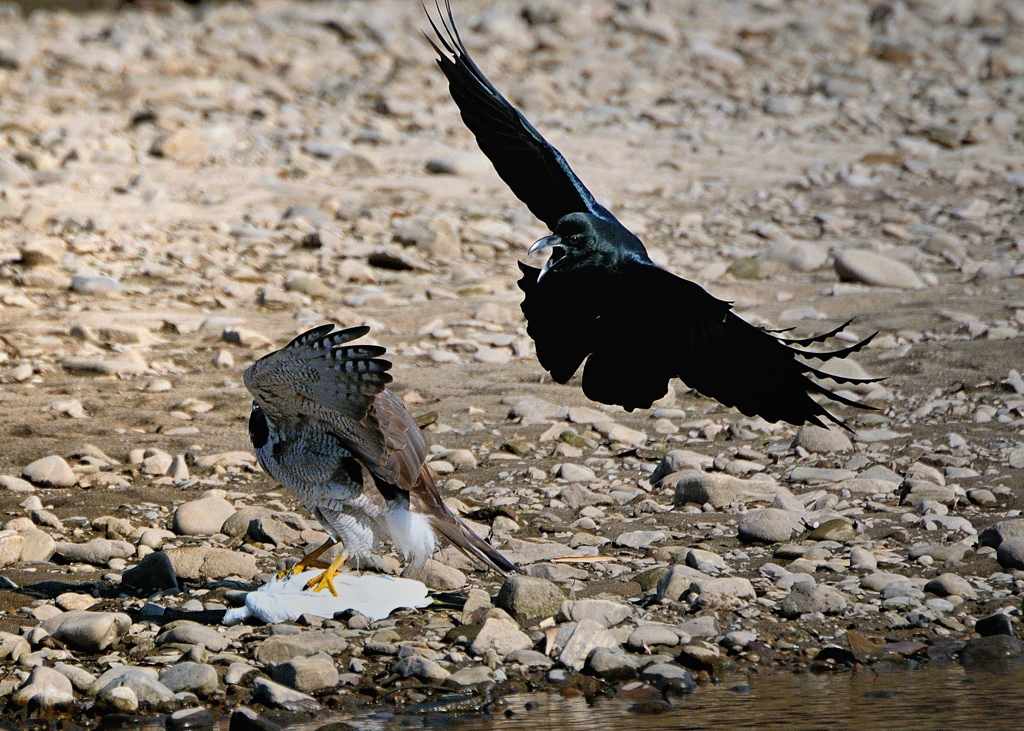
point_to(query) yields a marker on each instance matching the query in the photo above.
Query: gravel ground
(183, 190)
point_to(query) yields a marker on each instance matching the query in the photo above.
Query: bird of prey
(599, 298)
(324, 425)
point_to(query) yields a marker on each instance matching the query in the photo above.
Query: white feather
(411, 533)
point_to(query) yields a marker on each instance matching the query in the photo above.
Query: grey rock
(194, 634)
(237, 525)
(700, 627)
(577, 496)
(268, 529)
(731, 587)
(677, 582)
(50, 471)
(769, 525)
(114, 673)
(195, 563)
(651, 635)
(997, 533)
(640, 538)
(87, 631)
(118, 698)
(951, 585)
(155, 572)
(436, 575)
(13, 646)
(861, 558)
(679, 460)
(278, 649)
(98, 551)
(193, 677)
(420, 667)
(529, 658)
(500, 635)
(529, 599)
(202, 517)
(817, 439)
(94, 284)
(939, 552)
(575, 473)
(605, 613)
(719, 490)
(150, 692)
(665, 676)
(859, 265)
(467, 677)
(307, 674)
(587, 636)
(805, 598)
(1010, 553)
(275, 695)
(46, 688)
(820, 475)
(611, 663)
(80, 678)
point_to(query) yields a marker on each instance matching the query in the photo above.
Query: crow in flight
(601, 299)
(324, 425)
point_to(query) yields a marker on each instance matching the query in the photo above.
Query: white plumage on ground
(324, 425)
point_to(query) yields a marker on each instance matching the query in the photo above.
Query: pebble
(46, 688)
(587, 636)
(604, 612)
(279, 649)
(195, 563)
(768, 525)
(436, 575)
(421, 667)
(500, 635)
(307, 674)
(611, 664)
(805, 598)
(816, 439)
(87, 631)
(203, 517)
(193, 677)
(860, 265)
(719, 490)
(1010, 553)
(529, 599)
(194, 634)
(50, 471)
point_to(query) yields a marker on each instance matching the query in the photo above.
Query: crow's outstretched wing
(535, 171)
(641, 325)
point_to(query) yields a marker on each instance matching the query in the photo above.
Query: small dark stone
(246, 719)
(189, 719)
(996, 624)
(127, 721)
(154, 573)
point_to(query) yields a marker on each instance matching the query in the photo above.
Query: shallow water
(938, 697)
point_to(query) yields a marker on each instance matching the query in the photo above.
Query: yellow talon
(326, 579)
(307, 561)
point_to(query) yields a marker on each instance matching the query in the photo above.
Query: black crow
(600, 298)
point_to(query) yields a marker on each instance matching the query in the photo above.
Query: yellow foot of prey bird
(308, 561)
(326, 579)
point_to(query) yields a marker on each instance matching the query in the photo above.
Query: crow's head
(583, 240)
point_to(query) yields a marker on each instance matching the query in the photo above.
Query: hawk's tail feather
(459, 535)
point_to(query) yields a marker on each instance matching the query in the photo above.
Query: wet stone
(994, 624)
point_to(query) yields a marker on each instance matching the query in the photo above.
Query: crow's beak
(545, 243)
(554, 241)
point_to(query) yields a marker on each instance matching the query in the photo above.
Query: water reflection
(939, 698)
